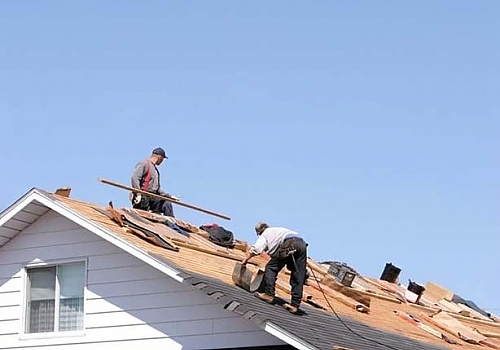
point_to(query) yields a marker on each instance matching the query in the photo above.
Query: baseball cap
(160, 151)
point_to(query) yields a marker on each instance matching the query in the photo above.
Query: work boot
(292, 309)
(266, 297)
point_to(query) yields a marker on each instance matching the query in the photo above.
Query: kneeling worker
(147, 178)
(286, 248)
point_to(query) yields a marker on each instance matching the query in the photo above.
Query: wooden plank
(449, 306)
(426, 308)
(468, 311)
(329, 281)
(424, 327)
(436, 292)
(221, 253)
(341, 298)
(153, 239)
(489, 334)
(145, 193)
(383, 297)
(318, 269)
(379, 292)
(447, 323)
(158, 228)
(476, 321)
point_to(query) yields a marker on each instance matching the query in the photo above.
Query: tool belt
(288, 247)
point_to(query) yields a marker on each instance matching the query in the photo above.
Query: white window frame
(22, 332)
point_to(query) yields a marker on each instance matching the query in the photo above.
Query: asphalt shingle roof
(321, 329)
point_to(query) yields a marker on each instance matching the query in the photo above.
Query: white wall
(129, 305)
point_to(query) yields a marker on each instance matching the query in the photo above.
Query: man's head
(260, 227)
(158, 155)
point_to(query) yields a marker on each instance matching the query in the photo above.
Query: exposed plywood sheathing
(436, 292)
(200, 256)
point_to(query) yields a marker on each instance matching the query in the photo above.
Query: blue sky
(372, 128)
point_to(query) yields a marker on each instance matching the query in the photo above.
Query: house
(75, 275)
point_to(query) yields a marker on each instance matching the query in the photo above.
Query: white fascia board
(106, 235)
(287, 337)
(16, 207)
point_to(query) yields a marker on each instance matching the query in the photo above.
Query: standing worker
(285, 247)
(147, 178)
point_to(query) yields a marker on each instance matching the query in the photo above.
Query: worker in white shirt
(286, 248)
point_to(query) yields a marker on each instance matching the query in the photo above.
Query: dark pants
(297, 268)
(158, 206)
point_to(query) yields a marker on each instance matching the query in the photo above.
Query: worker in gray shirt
(286, 248)
(147, 178)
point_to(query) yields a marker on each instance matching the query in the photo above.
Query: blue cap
(160, 151)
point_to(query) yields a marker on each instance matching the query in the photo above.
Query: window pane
(41, 300)
(71, 314)
(41, 316)
(71, 279)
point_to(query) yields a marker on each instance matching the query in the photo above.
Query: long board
(154, 195)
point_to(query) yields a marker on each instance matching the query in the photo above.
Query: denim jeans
(158, 206)
(295, 262)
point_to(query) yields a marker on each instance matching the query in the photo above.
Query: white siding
(128, 304)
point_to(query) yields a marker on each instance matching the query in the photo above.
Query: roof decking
(209, 267)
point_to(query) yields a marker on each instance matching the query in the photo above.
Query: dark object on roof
(219, 235)
(417, 289)
(177, 228)
(390, 273)
(459, 300)
(343, 273)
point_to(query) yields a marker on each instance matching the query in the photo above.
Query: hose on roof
(342, 321)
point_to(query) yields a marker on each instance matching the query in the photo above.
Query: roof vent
(63, 191)
(390, 273)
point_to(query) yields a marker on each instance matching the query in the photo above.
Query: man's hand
(248, 257)
(171, 196)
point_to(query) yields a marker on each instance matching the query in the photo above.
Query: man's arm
(139, 171)
(248, 257)
(259, 247)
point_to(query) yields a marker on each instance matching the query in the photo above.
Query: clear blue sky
(371, 127)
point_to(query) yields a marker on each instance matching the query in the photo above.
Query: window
(55, 298)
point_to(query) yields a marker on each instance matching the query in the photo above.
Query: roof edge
(35, 194)
(9, 212)
(287, 337)
(108, 236)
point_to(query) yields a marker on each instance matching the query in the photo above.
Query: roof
(372, 310)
